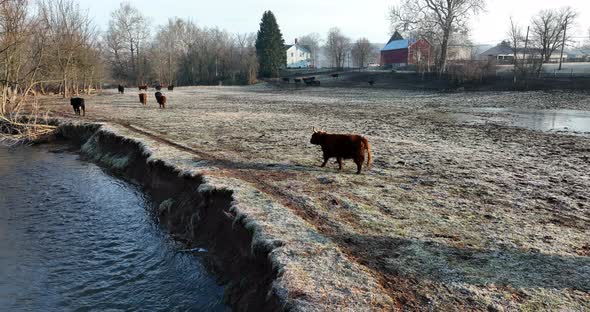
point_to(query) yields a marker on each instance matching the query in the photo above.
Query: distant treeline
(53, 46)
(179, 53)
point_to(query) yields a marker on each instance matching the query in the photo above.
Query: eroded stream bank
(269, 258)
(194, 212)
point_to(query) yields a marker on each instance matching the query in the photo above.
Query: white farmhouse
(298, 56)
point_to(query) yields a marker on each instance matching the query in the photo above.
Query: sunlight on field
(452, 212)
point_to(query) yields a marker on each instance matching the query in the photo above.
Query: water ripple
(74, 238)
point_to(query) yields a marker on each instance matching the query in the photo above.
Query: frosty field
(462, 209)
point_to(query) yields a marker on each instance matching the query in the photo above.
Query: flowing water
(75, 238)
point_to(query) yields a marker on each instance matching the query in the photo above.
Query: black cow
(121, 89)
(78, 103)
(161, 99)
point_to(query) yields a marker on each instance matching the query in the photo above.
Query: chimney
(295, 40)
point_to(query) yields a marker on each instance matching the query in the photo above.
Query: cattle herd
(160, 98)
(339, 146)
(80, 108)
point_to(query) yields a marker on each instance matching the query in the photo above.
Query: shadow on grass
(232, 164)
(442, 263)
(279, 167)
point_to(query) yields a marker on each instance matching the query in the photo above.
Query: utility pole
(563, 43)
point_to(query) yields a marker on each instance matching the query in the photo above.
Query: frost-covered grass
(452, 214)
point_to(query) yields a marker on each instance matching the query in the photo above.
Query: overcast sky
(356, 18)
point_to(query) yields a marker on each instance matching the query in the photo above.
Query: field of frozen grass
(473, 213)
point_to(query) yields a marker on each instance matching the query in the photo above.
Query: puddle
(562, 120)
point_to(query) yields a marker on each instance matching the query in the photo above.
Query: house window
(301, 54)
(292, 54)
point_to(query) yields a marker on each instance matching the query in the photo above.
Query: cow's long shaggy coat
(343, 146)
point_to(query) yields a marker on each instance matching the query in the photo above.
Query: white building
(298, 56)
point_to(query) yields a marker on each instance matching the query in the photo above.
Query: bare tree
(312, 41)
(211, 55)
(15, 28)
(127, 36)
(526, 60)
(337, 46)
(361, 51)
(51, 46)
(22, 58)
(69, 32)
(437, 19)
(548, 30)
(516, 37)
(166, 51)
(247, 63)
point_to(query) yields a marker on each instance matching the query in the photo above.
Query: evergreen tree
(270, 46)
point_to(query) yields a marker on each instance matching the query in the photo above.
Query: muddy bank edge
(270, 259)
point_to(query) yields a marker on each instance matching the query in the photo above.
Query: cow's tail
(369, 155)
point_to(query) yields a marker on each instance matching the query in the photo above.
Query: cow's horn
(314, 130)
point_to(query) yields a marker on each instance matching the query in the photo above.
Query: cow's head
(316, 136)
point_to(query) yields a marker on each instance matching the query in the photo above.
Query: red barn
(400, 52)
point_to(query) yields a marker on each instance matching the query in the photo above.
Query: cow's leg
(339, 160)
(359, 160)
(83, 111)
(325, 161)
(359, 166)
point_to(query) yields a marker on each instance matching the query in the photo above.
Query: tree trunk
(84, 84)
(442, 62)
(133, 71)
(76, 84)
(169, 68)
(65, 85)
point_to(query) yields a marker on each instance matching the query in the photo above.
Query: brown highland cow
(343, 146)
